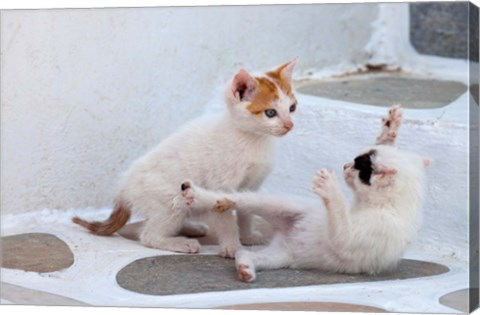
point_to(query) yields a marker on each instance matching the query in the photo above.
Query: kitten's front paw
(229, 251)
(325, 184)
(191, 246)
(188, 192)
(395, 114)
(391, 123)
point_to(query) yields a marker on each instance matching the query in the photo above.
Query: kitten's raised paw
(324, 183)
(394, 118)
(245, 273)
(390, 125)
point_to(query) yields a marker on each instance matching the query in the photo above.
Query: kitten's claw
(244, 273)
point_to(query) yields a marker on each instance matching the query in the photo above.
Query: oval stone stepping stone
(457, 300)
(182, 274)
(387, 89)
(37, 252)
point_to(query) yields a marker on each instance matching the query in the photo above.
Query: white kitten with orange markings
(232, 152)
(368, 237)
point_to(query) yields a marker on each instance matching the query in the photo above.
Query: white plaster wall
(85, 92)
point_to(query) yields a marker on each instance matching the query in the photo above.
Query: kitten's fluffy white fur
(231, 152)
(370, 236)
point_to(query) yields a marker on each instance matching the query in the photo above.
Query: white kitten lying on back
(368, 237)
(233, 152)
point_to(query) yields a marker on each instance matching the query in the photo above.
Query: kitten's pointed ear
(243, 86)
(286, 70)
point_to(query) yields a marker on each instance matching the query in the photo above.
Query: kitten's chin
(281, 133)
(349, 179)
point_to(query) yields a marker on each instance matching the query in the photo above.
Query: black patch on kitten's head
(363, 164)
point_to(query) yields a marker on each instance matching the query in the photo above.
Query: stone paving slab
(457, 300)
(385, 89)
(183, 274)
(306, 306)
(24, 296)
(39, 252)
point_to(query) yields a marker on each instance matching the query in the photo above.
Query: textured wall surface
(473, 32)
(441, 28)
(85, 92)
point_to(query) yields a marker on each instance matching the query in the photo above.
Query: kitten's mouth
(284, 131)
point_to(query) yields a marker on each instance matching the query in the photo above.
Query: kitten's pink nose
(288, 125)
(348, 165)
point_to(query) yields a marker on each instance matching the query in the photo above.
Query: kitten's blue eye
(270, 113)
(293, 107)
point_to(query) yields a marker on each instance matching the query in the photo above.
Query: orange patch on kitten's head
(282, 77)
(265, 94)
(262, 92)
(268, 87)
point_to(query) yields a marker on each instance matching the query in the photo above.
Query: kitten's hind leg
(275, 256)
(248, 234)
(390, 125)
(161, 231)
(194, 229)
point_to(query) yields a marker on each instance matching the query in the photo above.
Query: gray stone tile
(457, 300)
(19, 295)
(306, 306)
(386, 89)
(182, 274)
(37, 252)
